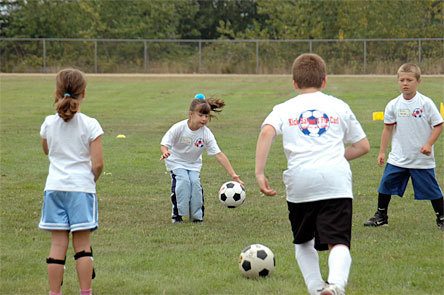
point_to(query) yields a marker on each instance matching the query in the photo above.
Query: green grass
(137, 249)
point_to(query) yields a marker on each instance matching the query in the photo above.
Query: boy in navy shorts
(315, 128)
(414, 124)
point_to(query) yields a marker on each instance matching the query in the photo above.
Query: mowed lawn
(137, 249)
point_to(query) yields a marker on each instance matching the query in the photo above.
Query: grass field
(137, 249)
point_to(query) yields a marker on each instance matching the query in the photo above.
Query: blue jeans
(187, 194)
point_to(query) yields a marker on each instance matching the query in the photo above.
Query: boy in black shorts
(315, 128)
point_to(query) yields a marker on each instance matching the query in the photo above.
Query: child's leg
(393, 182)
(84, 262)
(339, 263)
(308, 260)
(426, 187)
(383, 203)
(197, 200)
(56, 259)
(438, 207)
(182, 192)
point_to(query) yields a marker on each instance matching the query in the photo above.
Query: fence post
(310, 45)
(365, 56)
(257, 56)
(200, 56)
(419, 51)
(145, 54)
(95, 56)
(44, 56)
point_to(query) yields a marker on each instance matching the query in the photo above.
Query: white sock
(339, 263)
(308, 261)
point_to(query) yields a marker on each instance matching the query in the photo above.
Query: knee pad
(51, 260)
(83, 253)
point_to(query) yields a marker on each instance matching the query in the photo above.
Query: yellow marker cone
(121, 136)
(441, 109)
(378, 116)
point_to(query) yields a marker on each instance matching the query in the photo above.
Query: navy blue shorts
(394, 182)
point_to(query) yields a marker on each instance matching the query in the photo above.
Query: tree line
(222, 19)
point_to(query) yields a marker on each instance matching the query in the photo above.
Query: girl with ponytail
(72, 141)
(182, 147)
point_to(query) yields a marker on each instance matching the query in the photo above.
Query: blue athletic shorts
(71, 211)
(395, 179)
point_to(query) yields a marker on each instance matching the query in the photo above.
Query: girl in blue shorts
(73, 144)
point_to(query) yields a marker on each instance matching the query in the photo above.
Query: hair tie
(67, 94)
(200, 96)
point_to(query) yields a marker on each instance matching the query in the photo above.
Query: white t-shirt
(413, 120)
(315, 127)
(69, 152)
(186, 146)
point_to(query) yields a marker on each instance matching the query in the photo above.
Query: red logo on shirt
(199, 143)
(417, 113)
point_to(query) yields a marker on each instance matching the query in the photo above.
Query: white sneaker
(331, 289)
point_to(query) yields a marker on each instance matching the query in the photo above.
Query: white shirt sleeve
(389, 113)
(432, 111)
(354, 131)
(168, 139)
(212, 147)
(95, 129)
(43, 129)
(274, 119)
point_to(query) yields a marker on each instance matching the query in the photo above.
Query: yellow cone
(121, 136)
(441, 109)
(378, 116)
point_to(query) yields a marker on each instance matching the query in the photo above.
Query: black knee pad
(83, 253)
(51, 260)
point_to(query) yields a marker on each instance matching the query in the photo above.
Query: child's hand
(265, 188)
(237, 179)
(381, 159)
(164, 156)
(426, 149)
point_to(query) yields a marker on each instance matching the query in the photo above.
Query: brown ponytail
(207, 105)
(70, 89)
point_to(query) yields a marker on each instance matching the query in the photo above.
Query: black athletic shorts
(328, 221)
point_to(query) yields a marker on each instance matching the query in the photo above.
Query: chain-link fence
(348, 56)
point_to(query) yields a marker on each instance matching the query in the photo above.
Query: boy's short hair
(410, 68)
(309, 70)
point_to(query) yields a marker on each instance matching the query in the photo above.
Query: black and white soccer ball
(232, 194)
(256, 261)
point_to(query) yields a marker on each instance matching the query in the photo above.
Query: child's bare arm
(223, 160)
(385, 139)
(165, 152)
(45, 146)
(262, 149)
(426, 149)
(97, 157)
(357, 149)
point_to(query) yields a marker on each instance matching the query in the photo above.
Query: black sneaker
(440, 222)
(379, 219)
(197, 221)
(177, 219)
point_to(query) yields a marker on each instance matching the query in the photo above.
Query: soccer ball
(417, 113)
(232, 194)
(314, 123)
(256, 261)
